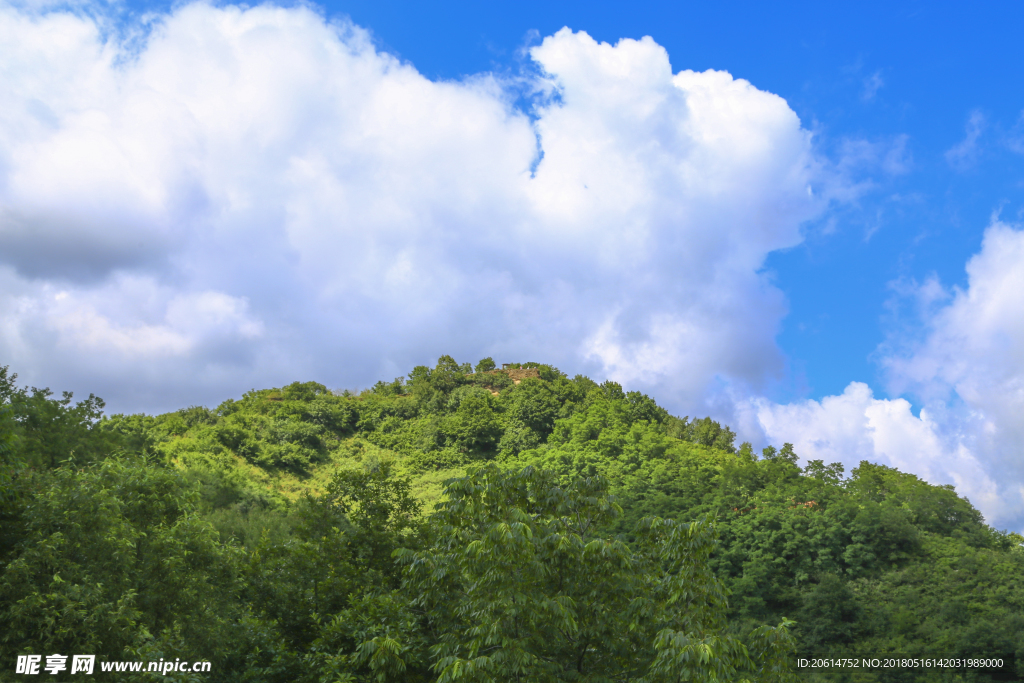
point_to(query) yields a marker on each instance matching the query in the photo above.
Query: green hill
(300, 534)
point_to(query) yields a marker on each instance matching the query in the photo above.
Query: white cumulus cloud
(251, 196)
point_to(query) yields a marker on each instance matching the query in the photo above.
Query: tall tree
(522, 583)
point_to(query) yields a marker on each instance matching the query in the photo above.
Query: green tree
(520, 583)
(10, 462)
(341, 547)
(473, 427)
(531, 408)
(12, 488)
(116, 558)
(50, 430)
(447, 375)
(486, 365)
(381, 510)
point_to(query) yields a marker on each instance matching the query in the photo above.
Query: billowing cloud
(252, 196)
(964, 360)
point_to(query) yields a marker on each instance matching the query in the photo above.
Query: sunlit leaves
(522, 582)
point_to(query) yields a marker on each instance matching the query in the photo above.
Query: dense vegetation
(468, 524)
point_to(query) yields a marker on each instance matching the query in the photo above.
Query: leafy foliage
(469, 523)
(521, 584)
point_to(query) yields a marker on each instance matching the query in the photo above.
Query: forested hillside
(473, 524)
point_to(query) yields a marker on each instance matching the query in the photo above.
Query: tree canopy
(468, 523)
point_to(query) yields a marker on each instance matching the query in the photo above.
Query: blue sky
(863, 71)
(804, 221)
